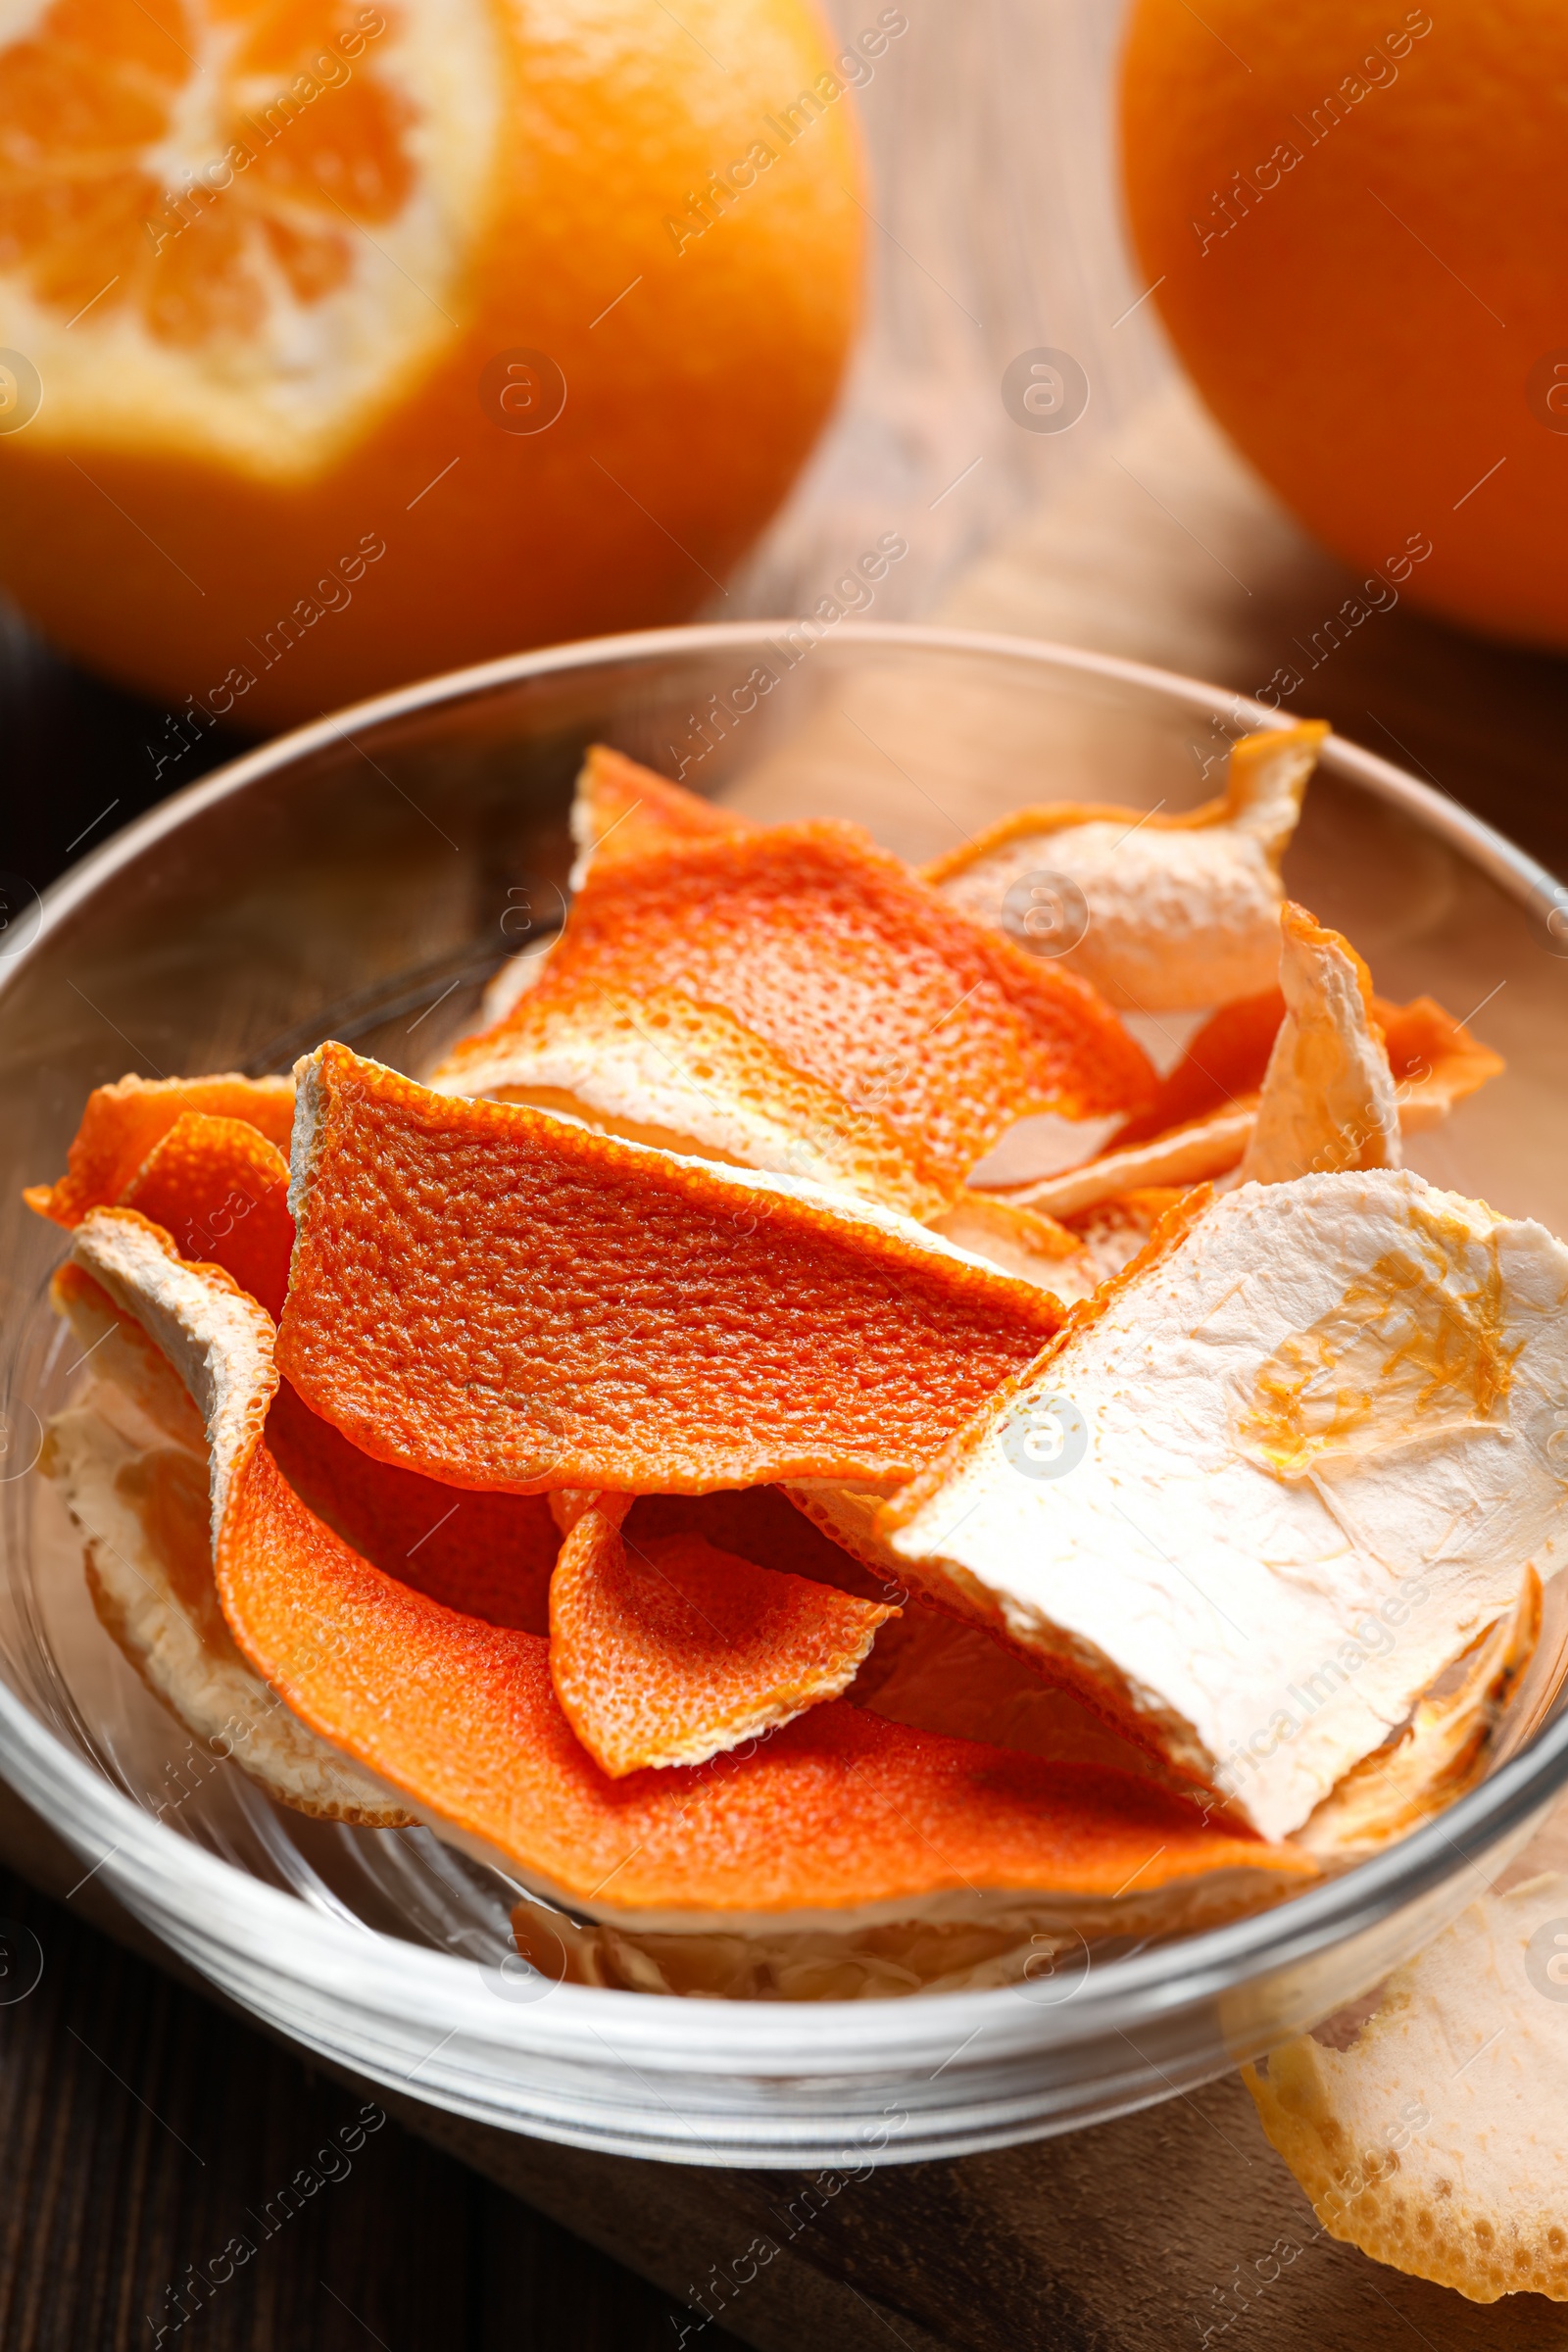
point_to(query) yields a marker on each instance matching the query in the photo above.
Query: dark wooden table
(140, 2124)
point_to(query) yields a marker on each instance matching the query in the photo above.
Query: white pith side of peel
(1180, 915)
(1218, 1597)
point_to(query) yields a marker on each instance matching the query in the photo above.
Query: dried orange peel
(136, 1477)
(1315, 1074)
(501, 1299)
(1273, 1480)
(668, 1652)
(622, 810)
(1180, 910)
(1328, 1100)
(854, 971)
(838, 1814)
(1435, 2142)
(221, 1188)
(122, 1123)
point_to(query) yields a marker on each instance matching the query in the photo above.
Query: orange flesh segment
(122, 1123)
(669, 1652)
(97, 86)
(837, 1809)
(499, 1299)
(624, 810)
(858, 973)
(221, 1191)
(489, 1555)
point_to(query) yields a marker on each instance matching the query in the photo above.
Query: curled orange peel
(500, 1300)
(221, 1189)
(838, 1813)
(853, 969)
(669, 1652)
(1328, 1100)
(663, 1069)
(124, 1122)
(1205, 1118)
(622, 810)
(1177, 910)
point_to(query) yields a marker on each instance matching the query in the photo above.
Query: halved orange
(376, 336)
(501, 1299)
(121, 1123)
(671, 1651)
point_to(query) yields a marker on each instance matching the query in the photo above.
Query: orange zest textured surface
(123, 1122)
(221, 1189)
(490, 1555)
(860, 973)
(499, 1299)
(837, 1809)
(669, 1652)
(624, 810)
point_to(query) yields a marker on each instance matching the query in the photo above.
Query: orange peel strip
(624, 810)
(1328, 1100)
(489, 1555)
(663, 1069)
(1230, 1074)
(856, 972)
(500, 1300)
(838, 1813)
(123, 1122)
(671, 1651)
(221, 1189)
(1181, 910)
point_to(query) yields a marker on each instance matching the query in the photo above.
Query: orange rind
(1272, 1481)
(854, 971)
(622, 810)
(1319, 1073)
(1328, 1100)
(668, 1652)
(1177, 912)
(122, 1123)
(663, 1069)
(501, 1299)
(221, 1188)
(836, 1815)
(490, 1555)
(1434, 2142)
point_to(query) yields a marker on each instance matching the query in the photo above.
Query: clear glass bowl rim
(164, 1879)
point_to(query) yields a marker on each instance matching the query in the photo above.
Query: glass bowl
(364, 878)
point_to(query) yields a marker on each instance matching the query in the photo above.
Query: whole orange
(1355, 213)
(348, 340)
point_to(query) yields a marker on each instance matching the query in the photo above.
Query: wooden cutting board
(1178, 2226)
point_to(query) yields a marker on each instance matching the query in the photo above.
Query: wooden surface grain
(137, 2119)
